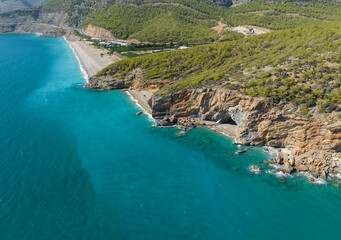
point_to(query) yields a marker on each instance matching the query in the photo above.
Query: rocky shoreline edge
(210, 108)
(282, 160)
(314, 146)
(309, 147)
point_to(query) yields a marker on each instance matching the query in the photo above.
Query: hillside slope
(283, 14)
(280, 89)
(11, 5)
(191, 21)
(186, 21)
(300, 65)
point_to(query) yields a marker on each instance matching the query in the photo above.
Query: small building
(118, 42)
(96, 39)
(182, 47)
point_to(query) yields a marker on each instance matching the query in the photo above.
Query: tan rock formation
(314, 144)
(94, 31)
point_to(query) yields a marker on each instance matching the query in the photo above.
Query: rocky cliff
(11, 5)
(315, 144)
(33, 21)
(98, 32)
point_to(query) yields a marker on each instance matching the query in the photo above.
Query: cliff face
(98, 32)
(11, 5)
(315, 145)
(32, 21)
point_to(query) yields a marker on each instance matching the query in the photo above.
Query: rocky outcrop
(106, 83)
(314, 144)
(133, 79)
(33, 21)
(11, 5)
(94, 31)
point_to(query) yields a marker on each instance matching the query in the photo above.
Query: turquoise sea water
(79, 164)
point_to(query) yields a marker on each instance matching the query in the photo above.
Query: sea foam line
(150, 117)
(81, 67)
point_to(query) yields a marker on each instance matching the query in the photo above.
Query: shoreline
(91, 59)
(140, 99)
(141, 102)
(89, 66)
(80, 65)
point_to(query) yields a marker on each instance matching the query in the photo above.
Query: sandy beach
(92, 62)
(142, 97)
(92, 59)
(229, 129)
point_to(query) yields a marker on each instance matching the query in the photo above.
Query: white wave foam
(279, 174)
(276, 166)
(338, 175)
(311, 179)
(84, 74)
(282, 174)
(272, 151)
(286, 151)
(318, 181)
(140, 106)
(255, 169)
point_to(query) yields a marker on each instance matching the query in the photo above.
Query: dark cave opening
(230, 121)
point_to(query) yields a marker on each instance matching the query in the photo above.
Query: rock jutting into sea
(314, 144)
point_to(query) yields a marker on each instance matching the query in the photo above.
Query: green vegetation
(164, 21)
(76, 33)
(155, 23)
(231, 36)
(131, 54)
(283, 14)
(301, 66)
(140, 47)
(134, 47)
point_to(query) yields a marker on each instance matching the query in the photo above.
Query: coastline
(90, 62)
(81, 67)
(140, 98)
(91, 59)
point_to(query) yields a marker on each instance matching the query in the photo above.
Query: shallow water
(79, 164)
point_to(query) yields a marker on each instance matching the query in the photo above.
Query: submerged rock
(255, 169)
(243, 151)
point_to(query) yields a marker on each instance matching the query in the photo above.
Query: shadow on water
(42, 188)
(79, 164)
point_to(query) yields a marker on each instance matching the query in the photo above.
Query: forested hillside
(283, 14)
(300, 65)
(147, 20)
(191, 20)
(157, 22)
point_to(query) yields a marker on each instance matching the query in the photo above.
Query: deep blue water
(79, 164)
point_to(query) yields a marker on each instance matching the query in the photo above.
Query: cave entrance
(230, 121)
